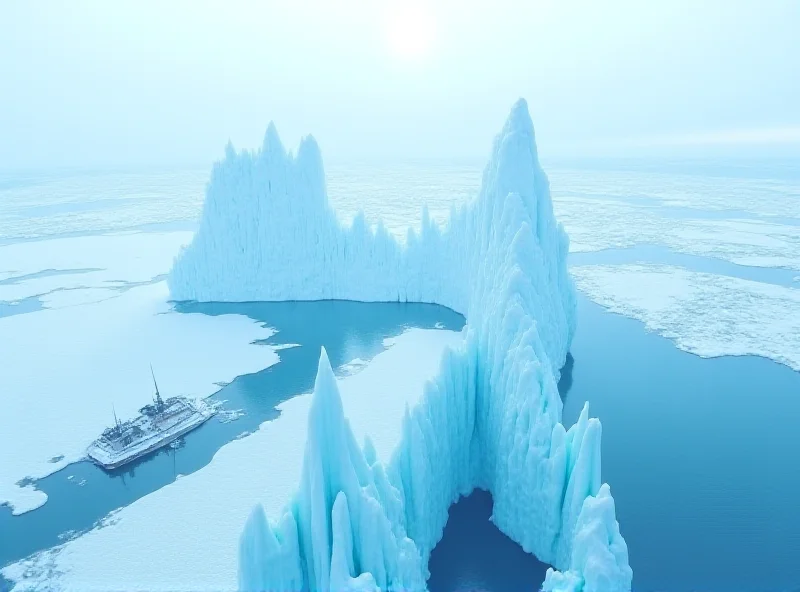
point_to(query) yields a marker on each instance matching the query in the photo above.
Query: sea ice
(50, 205)
(598, 224)
(137, 547)
(490, 419)
(699, 192)
(64, 374)
(69, 271)
(352, 367)
(706, 314)
(285, 346)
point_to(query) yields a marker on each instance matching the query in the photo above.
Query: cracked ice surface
(765, 194)
(595, 225)
(66, 271)
(38, 206)
(706, 314)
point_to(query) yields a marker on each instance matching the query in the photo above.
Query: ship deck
(158, 432)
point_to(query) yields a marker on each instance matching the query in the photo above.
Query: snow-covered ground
(163, 540)
(706, 314)
(65, 369)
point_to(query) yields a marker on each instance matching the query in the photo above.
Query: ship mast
(158, 400)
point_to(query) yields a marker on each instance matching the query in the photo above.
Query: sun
(409, 29)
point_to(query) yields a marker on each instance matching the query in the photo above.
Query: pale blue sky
(85, 83)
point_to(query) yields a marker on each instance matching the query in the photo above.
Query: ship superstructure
(160, 423)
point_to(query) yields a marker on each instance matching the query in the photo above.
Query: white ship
(159, 424)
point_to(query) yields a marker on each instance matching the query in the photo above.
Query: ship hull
(109, 460)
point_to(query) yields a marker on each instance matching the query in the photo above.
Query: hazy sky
(85, 83)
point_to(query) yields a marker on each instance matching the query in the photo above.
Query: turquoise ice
(491, 419)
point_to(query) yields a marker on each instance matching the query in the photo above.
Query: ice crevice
(490, 419)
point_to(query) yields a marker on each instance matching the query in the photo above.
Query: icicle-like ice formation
(492, 417)
(344, 528)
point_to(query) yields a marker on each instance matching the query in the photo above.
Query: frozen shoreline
(142, 540)
(68, 365)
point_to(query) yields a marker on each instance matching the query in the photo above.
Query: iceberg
(346, 514)
(491, 418)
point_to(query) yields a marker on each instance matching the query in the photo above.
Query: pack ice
(491, 418)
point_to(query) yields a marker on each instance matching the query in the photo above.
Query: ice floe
(706, 314)
(596, 225)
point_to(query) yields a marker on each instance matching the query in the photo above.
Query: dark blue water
(701, 456)
(474, 556)
(700, 453)
(348, 330)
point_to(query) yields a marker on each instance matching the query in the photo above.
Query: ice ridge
(490, 419)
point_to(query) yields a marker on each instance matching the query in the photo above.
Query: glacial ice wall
(492, 417)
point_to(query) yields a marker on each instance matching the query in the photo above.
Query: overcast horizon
(91, 84)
